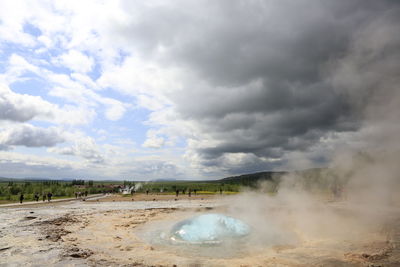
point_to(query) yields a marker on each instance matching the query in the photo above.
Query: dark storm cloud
(259, 71)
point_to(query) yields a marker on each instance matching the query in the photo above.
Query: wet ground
(128, 234)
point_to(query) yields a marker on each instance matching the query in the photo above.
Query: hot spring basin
(208, 229)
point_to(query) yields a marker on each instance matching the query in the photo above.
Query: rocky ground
(113, 233)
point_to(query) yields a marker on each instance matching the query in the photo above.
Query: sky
(142, 90)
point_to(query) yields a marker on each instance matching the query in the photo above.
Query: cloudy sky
(189, 89)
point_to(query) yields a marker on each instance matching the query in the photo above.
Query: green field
(315, 180)
(172, 186)
(10, 190)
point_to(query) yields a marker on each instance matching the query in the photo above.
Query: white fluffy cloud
(77, 89)
(13, 16)
(153, 140)
(76, 61)
(23, 107)
(84, 147)
(30, 136)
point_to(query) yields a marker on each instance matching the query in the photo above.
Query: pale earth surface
(101, 233)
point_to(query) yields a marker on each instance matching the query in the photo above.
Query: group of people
(81, 194)
(184, 191)
(49, 195)
(45, 196)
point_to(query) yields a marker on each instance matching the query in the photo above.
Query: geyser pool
(208, 229)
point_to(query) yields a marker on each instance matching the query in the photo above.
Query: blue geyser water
(208, 228)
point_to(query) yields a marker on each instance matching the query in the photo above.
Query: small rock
(29, 218)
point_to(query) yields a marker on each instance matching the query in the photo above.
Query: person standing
(36, 197)
(49, 195)
(21, 198)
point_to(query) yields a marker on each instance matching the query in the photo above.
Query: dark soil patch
(78, 253)
(53, 229)
(28, 218)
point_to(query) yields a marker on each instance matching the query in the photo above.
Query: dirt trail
(53, 202)
(157, 197)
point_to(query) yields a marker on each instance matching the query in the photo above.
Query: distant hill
(33, 179)
(49, 179)
(249, 179)
(252, 178)
(164, 180)
(4, 179)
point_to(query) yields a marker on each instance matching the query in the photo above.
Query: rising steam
(357, 193)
